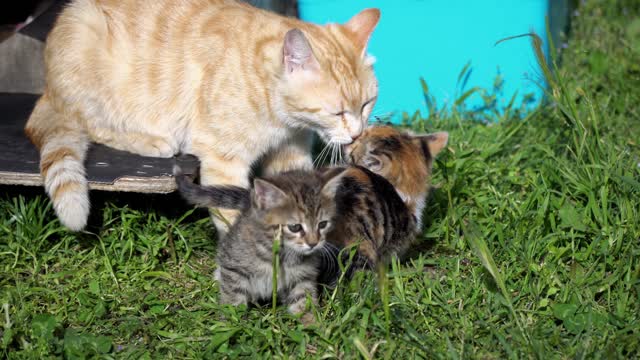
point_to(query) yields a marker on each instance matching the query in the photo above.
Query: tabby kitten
(380, 198)
(289, 202)
(219, 79)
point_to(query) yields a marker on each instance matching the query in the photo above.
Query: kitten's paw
(308, 319)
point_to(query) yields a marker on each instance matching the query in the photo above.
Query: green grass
(531, 248)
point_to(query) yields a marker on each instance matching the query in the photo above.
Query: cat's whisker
(322, 154)
(323, 254)
(325, 153)
(338, 154)
(333, 265)
(328, 259)
(318, 159)
(333, 154)
(332, 246)
(329, 152)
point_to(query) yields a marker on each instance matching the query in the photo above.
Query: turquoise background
(436, 39)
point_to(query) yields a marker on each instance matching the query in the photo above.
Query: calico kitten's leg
(297, 300)
(293, 154)
(220, 170)
(135, 142)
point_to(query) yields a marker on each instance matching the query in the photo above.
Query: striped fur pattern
(219, 79)
(289, 204)
(380, 198)
(224, 196)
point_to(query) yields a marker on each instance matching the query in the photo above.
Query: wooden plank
(107, 169)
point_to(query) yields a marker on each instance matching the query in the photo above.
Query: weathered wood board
(107, 169)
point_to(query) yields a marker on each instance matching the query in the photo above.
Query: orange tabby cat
(215, 78)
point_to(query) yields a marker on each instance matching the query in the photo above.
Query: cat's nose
(312, 245)
(355, 130)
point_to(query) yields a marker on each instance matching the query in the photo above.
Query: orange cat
(221, 80)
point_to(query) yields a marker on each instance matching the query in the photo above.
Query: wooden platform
(107, 169)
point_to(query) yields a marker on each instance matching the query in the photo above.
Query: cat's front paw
(308, 319)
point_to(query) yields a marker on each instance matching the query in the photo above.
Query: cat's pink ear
(297, 52)
(267, 196)
(361, 27)
(434, 142)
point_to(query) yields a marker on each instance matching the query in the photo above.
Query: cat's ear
(433, 142)
(333, 179)
(372, 162)
(266, 195)
(361, 27)
(297, 52)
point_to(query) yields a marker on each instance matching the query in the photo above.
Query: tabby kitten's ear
(298, 54)
(332, 179)
(361, 26)
(434, 142)
(266, 195)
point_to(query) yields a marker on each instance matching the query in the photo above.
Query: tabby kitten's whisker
(332, 246)
(333, 266)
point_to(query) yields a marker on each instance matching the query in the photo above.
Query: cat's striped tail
(63, 145)
(219, 196)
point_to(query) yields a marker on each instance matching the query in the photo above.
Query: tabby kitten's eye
(322, 224)
(295, 228)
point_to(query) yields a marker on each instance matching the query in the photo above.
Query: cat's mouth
(335, 139)
(306, 249)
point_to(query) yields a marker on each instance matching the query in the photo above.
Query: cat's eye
(295, 228)
(341, 113)
(322, 224)
(367, 103)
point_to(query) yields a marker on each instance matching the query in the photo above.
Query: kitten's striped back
(380, 198)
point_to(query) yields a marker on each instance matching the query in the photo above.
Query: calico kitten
(218, 79)
(380, 198)
(289, 202)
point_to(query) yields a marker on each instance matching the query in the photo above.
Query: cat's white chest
(261, 284)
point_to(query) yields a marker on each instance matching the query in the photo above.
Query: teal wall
(436, 39)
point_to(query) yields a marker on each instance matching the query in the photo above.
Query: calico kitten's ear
(372, 162)
(266, 195)
(361, 26)
(297, 51)
(434, 142)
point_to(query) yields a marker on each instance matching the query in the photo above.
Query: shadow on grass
(170, 206)
(435, 211)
